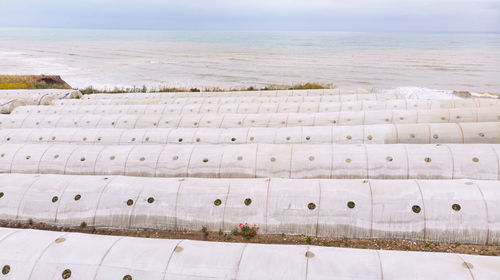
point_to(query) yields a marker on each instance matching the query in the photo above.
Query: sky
(317, 15)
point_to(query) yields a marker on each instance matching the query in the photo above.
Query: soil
(377, 244)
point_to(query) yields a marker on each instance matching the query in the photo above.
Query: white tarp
(254, 108)
(210, 120)
(299, 161)
(442, 211)
(31, 254)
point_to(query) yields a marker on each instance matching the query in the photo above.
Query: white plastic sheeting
(56, 93)
(262, 108)
(467, 133)
(122, 120)
(31, 254)
(443, 211)
(8, 105)
(39, 96)
(395, 161)
(265, 93)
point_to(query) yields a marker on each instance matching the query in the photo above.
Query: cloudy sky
(335, 15)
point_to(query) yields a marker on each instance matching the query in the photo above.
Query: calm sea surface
(109, 58)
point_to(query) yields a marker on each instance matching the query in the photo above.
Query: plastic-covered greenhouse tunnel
(291, 184)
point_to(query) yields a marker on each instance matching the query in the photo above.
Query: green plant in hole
(245, 230)
(220, 232)
(204, 229)
(307, 239)
(429, 244)
(83, 224)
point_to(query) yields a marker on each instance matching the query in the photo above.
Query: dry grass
(310, 85)
(32, 82)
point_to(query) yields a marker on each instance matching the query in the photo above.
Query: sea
(106, 59)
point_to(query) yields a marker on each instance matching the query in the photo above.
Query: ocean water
(121, 58)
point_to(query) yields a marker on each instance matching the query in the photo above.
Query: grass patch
(32, 82)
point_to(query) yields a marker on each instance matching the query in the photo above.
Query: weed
(220, 232)
(83, 224)
(30, 221)
(346, 241)
(429, 244)
(307, 239)
(204, 230)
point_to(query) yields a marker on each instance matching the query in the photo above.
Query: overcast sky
(335, 15)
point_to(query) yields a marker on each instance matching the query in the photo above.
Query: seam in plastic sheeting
(42, 253)
(24, 194)
(466, 266)
(487, 211)
(61, 195)
(104, 257)
(103, 189)
(423, 208)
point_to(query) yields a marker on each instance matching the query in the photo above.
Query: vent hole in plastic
(369, 137)
(239, 158)
(416, 209)
(272, 159)
(475, 159)
(180, 140)
(308, 138)
(435, 136)
(77, 197)
(311, 158)
(389, 158)
(55, 199)
(481, 134)
(127, 277)
(66, 274)
(205, 160)
(311, 206)
(82, 159)
(233, 139)
(112, 157)
(427, 159)
(142, 159)
(175, 157)
(248, 201)
(349, 137)
(151, 200)
(456, 207)
(217, 202)
(347, 160)
(1, 194)
(28, 157)
(130, 202)
(351, 204)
